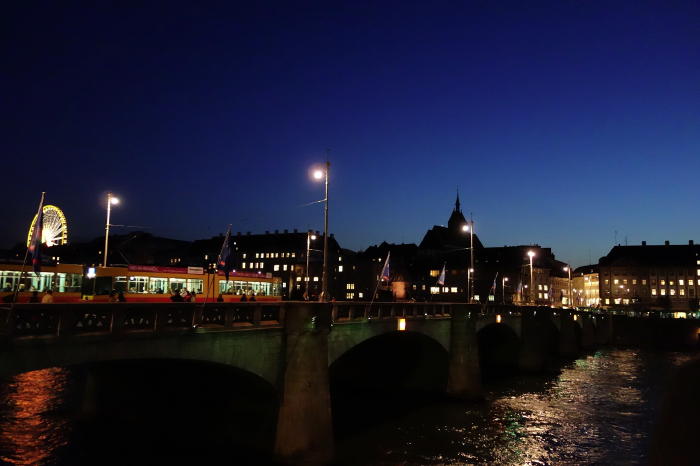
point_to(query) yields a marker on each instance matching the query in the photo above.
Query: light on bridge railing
(498, 318)
(402, 325)
(575, 317)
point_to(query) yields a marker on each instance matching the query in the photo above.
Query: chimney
(644, 243)
(295, 231)
(691, 243)
(331, 235)
(666, 243)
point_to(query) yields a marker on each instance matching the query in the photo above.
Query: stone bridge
(291, 345)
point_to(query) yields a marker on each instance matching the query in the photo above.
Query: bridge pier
(304, 425)
(588, 333)
(536, 341)
(568, 340)
(464, 376)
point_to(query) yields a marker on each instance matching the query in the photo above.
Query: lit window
(315, 279)
(350, 286)
(539, 287)
(673, 291)
(681, 292)
(690, 282)
(662, 282)
(617, 300)
(243, 265)
(644, 282)
(298, 279)
(545, 288)
(434, 273)
(284, 267)
(360, 295)
(653, 291)
(607, 300)
(257, 255)
(422, 287)
(663, 291)
(414, 287)
(616, 281)
(434, 290)
(294, 254)
(624, 281)
(634, 282)
(340, 268)
(453, 289)
(284, 284)
(276, 267)
(698, 272)
(625, 301)
(349, 295)
(539, 295)
(606, 282)
(243, 255)
(680, 282)
(546, 296)
(340, 259)
(671, 282)
(250, 265)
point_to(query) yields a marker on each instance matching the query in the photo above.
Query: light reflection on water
(598, 410)
(33, 428)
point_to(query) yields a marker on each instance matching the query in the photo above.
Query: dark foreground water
(599, 410)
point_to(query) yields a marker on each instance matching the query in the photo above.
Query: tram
(138, 283)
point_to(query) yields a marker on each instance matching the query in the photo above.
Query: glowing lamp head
(531, 254)
(318, 174)
(114, 200)
(505, 279)
(498, 318)
(465, 227)
(566, 269)
(313, 237)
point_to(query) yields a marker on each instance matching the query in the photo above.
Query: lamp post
(503, 288)
(110, 200)
(309, 237)
(531, 254)
(470, 269)
(571, 298)
(318, 175)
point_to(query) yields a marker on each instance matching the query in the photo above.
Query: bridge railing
(64, 320)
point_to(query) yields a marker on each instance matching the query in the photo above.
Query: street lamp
(470, 273)
(503, 288)
(319, 174)
(110, 200)
(571, 298)
(531, 254)
(309, 237)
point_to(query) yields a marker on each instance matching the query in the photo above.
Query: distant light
(402, 324)
(575, 317)
(566, 269)
(531, 253)
(465, 227)
(91, 272)
(471, 270)
(505, 279)
(498, 318)
(313, 237)
(318, 174)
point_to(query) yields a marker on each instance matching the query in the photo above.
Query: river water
(599, 409)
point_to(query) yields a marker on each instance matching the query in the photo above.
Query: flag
(225, 260)
(385, 270)
(493, 287)
(37, 235)
(441, 278)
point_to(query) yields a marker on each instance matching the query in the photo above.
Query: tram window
(9, 280)
(119, 284)
(68, 282)
(176, 284)
(195, 284)
(157, 285)
(138, 284)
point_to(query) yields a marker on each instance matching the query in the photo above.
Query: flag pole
(24, 261)
(213, 276)
(376, 288)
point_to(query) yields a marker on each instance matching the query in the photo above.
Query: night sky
(560, 122)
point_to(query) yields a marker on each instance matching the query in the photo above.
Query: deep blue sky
(560, 122)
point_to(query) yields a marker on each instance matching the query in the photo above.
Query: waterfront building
(654, 277)
(585, 286)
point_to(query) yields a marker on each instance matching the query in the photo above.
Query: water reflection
(32, 427)
(599, 410)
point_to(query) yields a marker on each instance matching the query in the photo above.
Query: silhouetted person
(120, 297)
(176, 297)
(193, 296)
(34, 298)
(113, 296)
(220, 298)
(244, 298)
(252, 298)
(48, 297)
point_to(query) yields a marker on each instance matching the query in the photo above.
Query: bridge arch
(499, 346)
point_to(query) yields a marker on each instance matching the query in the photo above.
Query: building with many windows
(655, 277)
(585, 286)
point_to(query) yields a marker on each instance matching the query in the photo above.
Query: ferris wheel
(55, 230)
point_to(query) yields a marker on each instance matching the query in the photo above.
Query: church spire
(457, 207)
